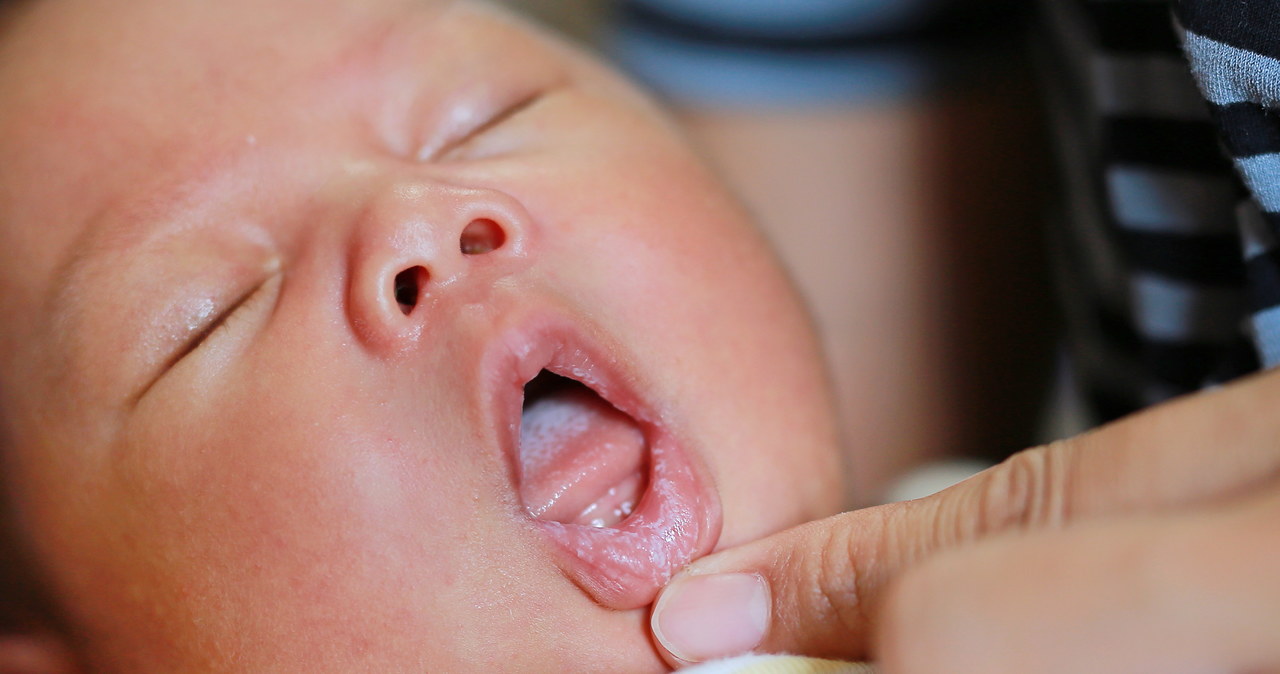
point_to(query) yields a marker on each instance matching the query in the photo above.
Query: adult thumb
(815, 589)
(806, 590)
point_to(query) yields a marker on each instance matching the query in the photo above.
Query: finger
(800, 591)
(1170, 456)
(1173, 593)
(1174, 454)
(811, 589)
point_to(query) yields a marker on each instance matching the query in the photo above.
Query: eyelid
(220, 320)
(494, 121)
(199, 337)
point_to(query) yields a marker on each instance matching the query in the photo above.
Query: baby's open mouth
(600, 470)
(582, 460)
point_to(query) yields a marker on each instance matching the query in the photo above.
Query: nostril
(408, 287)
(482, 236)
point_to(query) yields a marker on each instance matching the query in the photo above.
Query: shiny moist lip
(599, 471)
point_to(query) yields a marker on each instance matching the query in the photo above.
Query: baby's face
(276, 275)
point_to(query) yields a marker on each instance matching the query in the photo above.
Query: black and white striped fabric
(1169, 262)
(1234, 50)
(1149, 259)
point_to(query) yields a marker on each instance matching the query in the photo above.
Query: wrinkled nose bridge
(418, 241)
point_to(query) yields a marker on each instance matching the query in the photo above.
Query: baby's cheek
(701, 298)
(687, 269)
(283, 518)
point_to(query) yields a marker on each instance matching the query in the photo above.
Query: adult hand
(1149, 545)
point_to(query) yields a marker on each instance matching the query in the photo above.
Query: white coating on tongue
(579, 459)
(543, 425)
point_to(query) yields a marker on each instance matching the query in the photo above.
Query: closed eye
(217, 323)
(494, 121)
(198, 337)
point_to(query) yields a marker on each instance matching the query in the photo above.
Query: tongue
(581, 460)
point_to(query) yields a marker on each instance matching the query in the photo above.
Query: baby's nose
(418, 243)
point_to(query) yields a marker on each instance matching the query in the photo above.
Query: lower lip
(623, 567)
(677, 519)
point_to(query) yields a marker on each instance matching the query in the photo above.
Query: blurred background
(894, 152)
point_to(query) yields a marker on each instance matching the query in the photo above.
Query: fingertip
(701, 617)
(812, 600)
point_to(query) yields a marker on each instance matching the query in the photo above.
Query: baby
(370, 336)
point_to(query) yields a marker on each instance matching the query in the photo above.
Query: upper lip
(624, 567)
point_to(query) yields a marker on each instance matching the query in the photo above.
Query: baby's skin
(275, 276)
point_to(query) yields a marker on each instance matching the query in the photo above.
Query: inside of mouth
(582, 460)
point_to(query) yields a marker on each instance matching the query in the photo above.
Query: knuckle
(827, 584)
(1028, 490)
(838, 581)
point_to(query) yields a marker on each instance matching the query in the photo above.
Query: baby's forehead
(97, 93)
(160, 64)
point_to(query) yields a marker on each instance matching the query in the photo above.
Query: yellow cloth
(779, 664)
